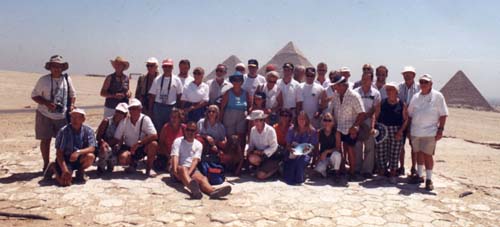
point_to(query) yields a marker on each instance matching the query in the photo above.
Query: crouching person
(105, 133)
(139, 139)
(185, 156)
(263, 146)
(75, 146)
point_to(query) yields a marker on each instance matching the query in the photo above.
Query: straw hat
(120, 60)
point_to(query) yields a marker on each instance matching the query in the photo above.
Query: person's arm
(223, 104)
(193, 166)
(175, 163)
(105, 86)
(42, 101)
(249, 102)
(442, 122)
(138, 89)
(273, 143)
(399, 133)
(279, 100)
(376, 114)
(101, 129)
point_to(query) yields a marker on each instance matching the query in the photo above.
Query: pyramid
(289, 53)
(230, 62)
(459, 91)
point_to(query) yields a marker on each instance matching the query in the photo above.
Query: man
(116, 86)
(299, 73)
(311, 94)
(381, 72)
(428, 112)
(289, 91)
(252, 80)
(240, 67)
(144, 83)
(346, 73)
(270, 89)
(186, 154)
(349, 113)
(407, 89)
(365, 145)
(367, 68)
(219, 85)
(184, 66)
(75, 146)
(55, 95)
(262, 146)
(322, 69)
(165, 93)
(139, 139)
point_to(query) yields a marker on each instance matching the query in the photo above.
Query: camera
(59, 107)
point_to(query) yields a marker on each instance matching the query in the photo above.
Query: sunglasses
(327, 120)
(219, 70)
(211, 111)
(367, 69)
(197, 73)
(190, 130)
(423, 81)
(271, 81)
(149, 66)
(237, 80)
(310, 75)
(259, 120)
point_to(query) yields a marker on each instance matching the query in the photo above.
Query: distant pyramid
(289, 53)
(460, 92)
(230, 62)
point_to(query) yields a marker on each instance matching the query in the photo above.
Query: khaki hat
(56, 59)
(257, 114)
(240, 65)
(120, 60)
(152, 60)
(122, 107)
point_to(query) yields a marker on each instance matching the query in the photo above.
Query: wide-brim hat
(338, 80)
(256, 114)
(120, 60)
(152, 60)
(57, 59)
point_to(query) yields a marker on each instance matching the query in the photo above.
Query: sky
(437, 37)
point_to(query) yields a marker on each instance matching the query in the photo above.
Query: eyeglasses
(236, 80)
(150, 66)
(259, 120)
(423, 81)
(197, 73)
(271, 81)
(219, 70)
(367, 69)
(327, 120)
(190, 130)
(211, 111)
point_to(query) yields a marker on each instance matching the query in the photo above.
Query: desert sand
(463, 163)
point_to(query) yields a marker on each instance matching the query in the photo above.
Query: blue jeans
(161, 115)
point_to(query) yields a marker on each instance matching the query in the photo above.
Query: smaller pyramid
(289, 53)
(230, 62)
(459, 91)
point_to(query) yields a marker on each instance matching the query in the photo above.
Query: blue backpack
(214, 172)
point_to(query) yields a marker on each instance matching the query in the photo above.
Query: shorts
(235, 122)
(72, 166)
(139, 154)
(347, 139)
(424, 144)
(269, 165)
(46, 128)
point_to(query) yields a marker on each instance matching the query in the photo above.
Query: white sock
(429, 174)
(420, 170)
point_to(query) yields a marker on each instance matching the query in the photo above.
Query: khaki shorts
(424, 144)
(46, 128)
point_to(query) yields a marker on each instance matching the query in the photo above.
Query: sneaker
(151, 173)
(194, 188)
(428, 185)
(220, 192)
(416, 180)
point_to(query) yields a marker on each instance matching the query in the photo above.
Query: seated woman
(301, 132)
(329, 147)
(259, 103)
(105, 132)
(282, 127)
(170, 131)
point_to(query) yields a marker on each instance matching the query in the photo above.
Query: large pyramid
(230, 62)
(460, 92)
(289, 53)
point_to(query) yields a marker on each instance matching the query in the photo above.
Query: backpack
(214, 172)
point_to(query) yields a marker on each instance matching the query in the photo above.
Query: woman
(170, 131)
(259, 103)
(283, 126)
(301, 132)
(235, 102)
(195, 97)
(106, 132)
(116, 86)
(393, 114)
(329, 147)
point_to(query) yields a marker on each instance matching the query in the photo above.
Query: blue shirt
(69, 141)
(237, 102)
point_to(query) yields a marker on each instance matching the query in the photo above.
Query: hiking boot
(220, 192)
(428, 185)
(416, 180)
(194, 188)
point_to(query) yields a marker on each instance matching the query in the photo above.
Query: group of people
(267, 125)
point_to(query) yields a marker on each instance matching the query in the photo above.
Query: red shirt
(169, 135)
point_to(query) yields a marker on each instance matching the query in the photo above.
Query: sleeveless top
(110, 130)
(391, 114)
(326, 142)
(237, 102)
(116, 86)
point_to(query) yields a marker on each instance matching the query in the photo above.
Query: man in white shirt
(184, 66)
(252, 80)
(299, 73)
(219, 85)
(165, 93)
(289, 91)
(262, 146)
(270, 89)
(138, 137)
(428, 112)
(311, 94)
(52, 93)
(381, 72)
(322, 80)
(185, 156)
(365, 144)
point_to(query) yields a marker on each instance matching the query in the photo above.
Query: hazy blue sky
(437, 37)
